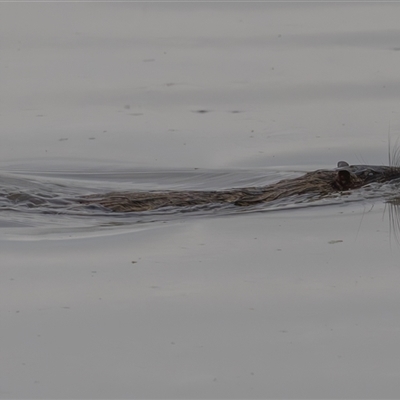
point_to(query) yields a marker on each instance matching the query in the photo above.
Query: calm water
(282, 301)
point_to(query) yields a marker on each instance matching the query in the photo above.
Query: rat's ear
(346, 180)
(344, 177)
(342, 164)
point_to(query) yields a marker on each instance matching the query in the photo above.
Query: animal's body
(320, 183)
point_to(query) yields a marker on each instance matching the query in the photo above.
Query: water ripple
(48, 201)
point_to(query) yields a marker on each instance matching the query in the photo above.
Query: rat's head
(364, 174)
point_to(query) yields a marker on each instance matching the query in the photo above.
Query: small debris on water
(335, 241)
(201, 111)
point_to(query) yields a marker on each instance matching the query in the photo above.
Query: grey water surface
(288, 300)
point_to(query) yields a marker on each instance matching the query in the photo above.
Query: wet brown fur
(320, 183)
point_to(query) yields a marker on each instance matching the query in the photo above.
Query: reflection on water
(49, 201)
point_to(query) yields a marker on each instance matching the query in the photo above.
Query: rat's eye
(370, 175)
(373, 173)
